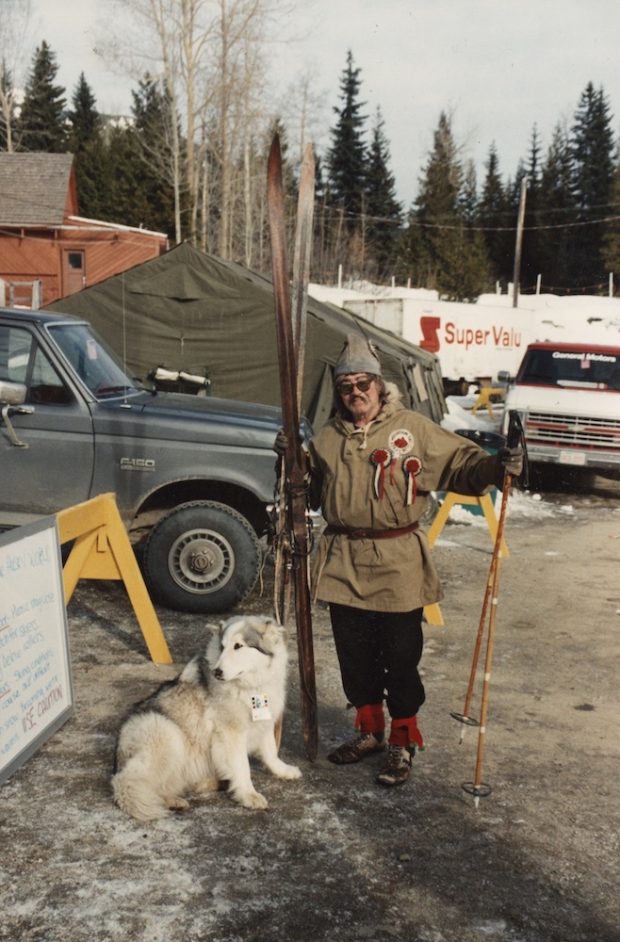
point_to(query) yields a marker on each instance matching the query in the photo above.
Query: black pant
(379, 653)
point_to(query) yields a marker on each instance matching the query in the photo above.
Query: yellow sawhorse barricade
(486, 396)
(102, 551)
(432, 613)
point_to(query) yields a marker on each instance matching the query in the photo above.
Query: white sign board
(36, 693)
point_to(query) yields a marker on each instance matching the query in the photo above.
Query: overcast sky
(498, 66)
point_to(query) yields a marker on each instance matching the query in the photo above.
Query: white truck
(568, 398)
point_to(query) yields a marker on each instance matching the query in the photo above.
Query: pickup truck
(568, 398)
(193, 475)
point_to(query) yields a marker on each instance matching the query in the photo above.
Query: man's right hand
(281, 443)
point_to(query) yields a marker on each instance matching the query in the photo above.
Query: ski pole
(478, 788)
(465, 717)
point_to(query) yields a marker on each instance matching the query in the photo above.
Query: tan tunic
(388, 575)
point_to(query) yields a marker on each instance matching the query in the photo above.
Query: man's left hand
(512, 460)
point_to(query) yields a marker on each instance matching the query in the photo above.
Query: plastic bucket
(490, 441)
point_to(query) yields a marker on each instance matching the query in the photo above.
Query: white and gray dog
(198, 731)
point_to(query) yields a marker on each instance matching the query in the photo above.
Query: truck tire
(202, 557)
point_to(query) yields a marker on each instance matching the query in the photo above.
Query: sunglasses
(345, 389)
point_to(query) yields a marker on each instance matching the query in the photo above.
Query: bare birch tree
(143, 42)
(304, 111)
(206, 54)
(14, 27)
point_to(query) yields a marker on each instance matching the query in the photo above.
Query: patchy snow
(521, 504)
(460, 416)
(526, 505)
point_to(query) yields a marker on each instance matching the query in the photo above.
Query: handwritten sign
(36, 694)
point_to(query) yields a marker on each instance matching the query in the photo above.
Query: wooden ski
(301, 274)
(301, 262)
(294, 482)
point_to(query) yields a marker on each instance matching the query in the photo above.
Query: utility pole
(519, 240)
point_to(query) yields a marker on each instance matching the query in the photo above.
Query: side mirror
(505, 378)
(12, 394)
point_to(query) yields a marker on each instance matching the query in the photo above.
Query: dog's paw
(253, 800)
(283, 770)
(177, 804)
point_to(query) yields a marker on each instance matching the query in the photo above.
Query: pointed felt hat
(358, 356)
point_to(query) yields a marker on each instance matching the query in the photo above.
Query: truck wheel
(201, 557)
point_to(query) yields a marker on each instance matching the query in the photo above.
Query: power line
(561, 225)
(415, 223)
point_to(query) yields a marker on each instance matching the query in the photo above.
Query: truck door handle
(6, 412)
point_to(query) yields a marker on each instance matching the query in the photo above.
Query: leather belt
(360, 534)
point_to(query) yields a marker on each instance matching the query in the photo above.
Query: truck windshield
(571, 368)
(96, 366)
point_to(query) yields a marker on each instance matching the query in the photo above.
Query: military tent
(190, 311)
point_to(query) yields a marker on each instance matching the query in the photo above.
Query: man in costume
(373, 467)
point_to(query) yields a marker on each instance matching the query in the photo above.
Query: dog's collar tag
(260, 707)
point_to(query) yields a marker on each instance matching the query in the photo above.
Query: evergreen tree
(437, 203)
(513, 202)
(346, 158)
(592, 148)
(152, 168)
(383, 210)
(451, 265)
(495, 218)
(611, 239)
(532, 169)
(530, 263)
(84, 118)
(127, 188)
(475, 268)
(411, 252)
(86, 142)
(468, 200)
(556, 211)
(125, 180)
(532, 237)
(42, 125)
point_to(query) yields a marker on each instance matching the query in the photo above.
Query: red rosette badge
(412, 467)
(382, 459)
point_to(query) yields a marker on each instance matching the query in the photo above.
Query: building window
(75, 259)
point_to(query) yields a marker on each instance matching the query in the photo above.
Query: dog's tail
(134, 793)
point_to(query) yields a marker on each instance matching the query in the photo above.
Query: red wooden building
(47, 250)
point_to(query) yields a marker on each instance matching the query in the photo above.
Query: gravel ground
(335, 857)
